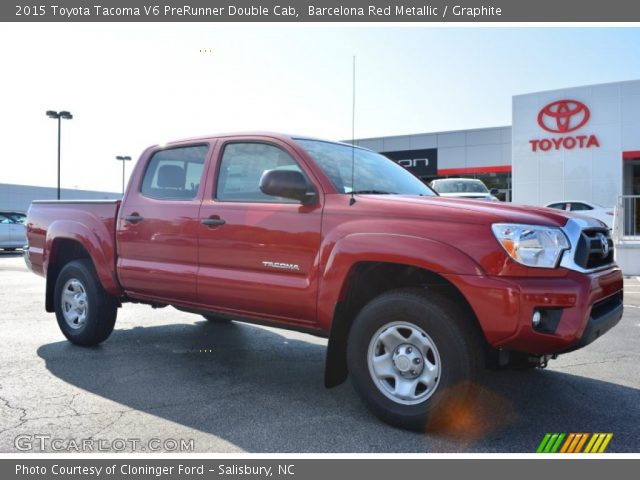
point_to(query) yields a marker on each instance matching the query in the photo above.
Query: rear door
(260, 256)
(157, 242)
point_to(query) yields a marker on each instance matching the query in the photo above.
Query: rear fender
(97, 241)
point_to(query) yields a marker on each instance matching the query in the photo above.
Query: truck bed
(94, 220)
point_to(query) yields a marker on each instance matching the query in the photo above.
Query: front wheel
(413, 356)
(86, 313)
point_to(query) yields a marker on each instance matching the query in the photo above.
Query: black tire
(216, 319)
(101, 308)
(456, 338)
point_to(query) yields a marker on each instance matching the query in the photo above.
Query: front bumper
(588, 305)
(604, 316)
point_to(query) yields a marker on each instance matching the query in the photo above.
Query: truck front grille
(594, 249)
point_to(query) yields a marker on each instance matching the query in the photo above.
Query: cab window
(241, 168)
(175, 173)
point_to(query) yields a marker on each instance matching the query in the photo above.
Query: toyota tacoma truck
(416, 293)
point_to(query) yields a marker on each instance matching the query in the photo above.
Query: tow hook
(543, 360)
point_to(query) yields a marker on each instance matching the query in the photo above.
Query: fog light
(536, 318)
(546, 319)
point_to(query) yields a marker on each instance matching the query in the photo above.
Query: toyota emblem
(563, 116)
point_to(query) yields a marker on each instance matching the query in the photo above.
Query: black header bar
(292, 11)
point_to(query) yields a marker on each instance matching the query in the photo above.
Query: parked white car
(12, 230)
(589, 209)
(471, 188)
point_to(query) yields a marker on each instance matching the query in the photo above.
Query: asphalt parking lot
(166, 375)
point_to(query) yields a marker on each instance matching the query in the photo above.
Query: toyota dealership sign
(563, 118)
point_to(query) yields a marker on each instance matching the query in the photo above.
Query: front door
(258, 255)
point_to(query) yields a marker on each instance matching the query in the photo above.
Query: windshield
(373, 173)
(459, 185)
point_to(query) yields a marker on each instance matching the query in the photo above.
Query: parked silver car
(589, 209)
(13, 232)
(469, 188)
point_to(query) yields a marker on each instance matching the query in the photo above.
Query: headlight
(532, 245)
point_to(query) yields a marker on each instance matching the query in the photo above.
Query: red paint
(631, 155)
(568, 142)
(170, 257)
(90, 224)
(476, 170)
(556, 117)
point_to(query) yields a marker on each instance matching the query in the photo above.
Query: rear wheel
(413, 356)
(86, 313)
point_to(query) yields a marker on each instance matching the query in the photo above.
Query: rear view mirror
(287, 184)
(494, 191)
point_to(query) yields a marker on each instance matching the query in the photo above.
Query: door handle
(133, 218)
(212, 222)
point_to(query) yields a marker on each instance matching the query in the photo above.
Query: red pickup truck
(417, 293)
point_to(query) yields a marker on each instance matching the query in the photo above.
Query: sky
(129, 86)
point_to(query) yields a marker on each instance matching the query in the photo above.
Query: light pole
(123, 159)
(59, 115)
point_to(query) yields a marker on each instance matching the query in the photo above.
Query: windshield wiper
(373, 192)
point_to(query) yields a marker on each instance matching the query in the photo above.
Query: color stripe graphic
(574, 443)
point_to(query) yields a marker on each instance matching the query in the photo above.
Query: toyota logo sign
(563, 116)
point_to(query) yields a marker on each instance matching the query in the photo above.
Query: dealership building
(580, 143)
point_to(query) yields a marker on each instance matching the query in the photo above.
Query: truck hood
(487, 195)
(466, 211)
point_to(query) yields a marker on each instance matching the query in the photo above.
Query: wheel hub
(404, 363)
(407, 359)
(75, 305)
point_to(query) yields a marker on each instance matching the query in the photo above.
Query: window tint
(242, 166)
(557, 206)
(4, 220)
(175, 174)
(576, 207)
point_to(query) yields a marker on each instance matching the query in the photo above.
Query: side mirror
(287, 184)
(494, 191)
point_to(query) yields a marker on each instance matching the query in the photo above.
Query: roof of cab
(266, 134)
